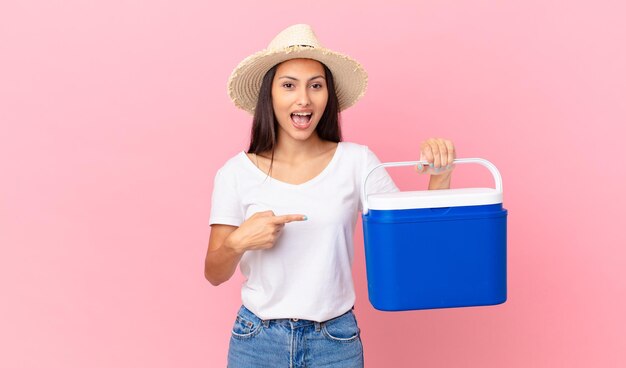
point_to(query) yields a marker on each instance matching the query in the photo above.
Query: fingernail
(420, 166)
(305, 218)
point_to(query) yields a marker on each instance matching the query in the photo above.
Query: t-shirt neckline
(312, 181)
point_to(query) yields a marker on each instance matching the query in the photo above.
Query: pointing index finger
(289, 218)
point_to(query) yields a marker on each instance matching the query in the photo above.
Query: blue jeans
(295, 343)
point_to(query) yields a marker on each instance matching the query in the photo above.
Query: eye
(317, 85)
(287, 85)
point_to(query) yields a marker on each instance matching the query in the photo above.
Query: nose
(303, 98)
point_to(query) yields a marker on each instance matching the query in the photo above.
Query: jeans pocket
(246, 327)
(342, 329)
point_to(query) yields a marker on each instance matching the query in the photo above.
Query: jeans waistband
(293, 322)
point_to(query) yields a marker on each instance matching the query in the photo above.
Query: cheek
(278, 98)
(321, 100)
(280, 119)
(281, 113)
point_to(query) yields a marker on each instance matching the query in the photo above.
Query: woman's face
(299, 96)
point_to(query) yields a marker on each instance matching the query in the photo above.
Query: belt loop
(266, 322)
(318, 326)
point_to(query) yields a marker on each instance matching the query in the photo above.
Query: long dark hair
(264, 135)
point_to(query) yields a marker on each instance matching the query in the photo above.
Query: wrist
(441, 181)
(230, 245)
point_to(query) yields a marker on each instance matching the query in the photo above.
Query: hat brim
(245, 81)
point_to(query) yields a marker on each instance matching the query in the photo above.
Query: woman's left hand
(440, 154)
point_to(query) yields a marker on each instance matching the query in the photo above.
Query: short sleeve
(379, 181)
(225, 202)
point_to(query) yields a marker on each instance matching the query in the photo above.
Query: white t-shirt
(308, 272)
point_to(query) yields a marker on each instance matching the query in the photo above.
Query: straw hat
(297, 41)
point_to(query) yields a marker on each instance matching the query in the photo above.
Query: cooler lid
(434, 198)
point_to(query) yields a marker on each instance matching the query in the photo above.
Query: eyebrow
(310, 79)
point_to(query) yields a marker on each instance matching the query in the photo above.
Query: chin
(301, 135)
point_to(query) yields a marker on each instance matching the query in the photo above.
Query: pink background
(114, 118)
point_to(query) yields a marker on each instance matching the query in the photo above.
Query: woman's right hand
(260, 231)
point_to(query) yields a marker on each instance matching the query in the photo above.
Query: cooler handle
(492, 168)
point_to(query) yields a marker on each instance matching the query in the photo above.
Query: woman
(286, 209)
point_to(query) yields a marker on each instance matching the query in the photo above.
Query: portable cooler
(435, 248)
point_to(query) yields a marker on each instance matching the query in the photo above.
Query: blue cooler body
(436, 248)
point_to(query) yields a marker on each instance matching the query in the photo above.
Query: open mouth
(301, 120)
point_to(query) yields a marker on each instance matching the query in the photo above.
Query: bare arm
(440, 181)
(228, 243)
(221, 260)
